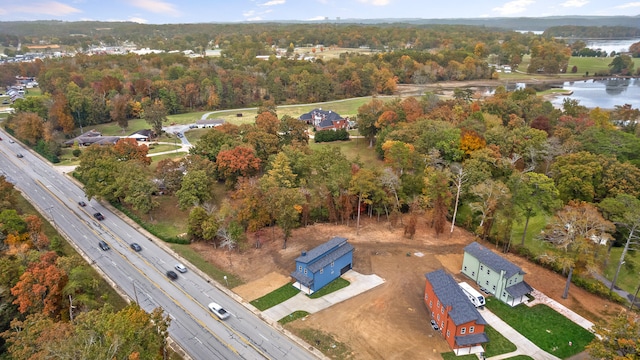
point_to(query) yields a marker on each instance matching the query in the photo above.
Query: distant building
(142, 135)
(325, 120)
(92, 137)
(323, 264)
(460, 322)
(495, 274)
(208, 123)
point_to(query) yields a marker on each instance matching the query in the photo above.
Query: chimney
(304, 253)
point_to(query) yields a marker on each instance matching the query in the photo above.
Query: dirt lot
(390, 321)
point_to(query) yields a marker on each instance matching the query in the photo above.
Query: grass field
(545, 327)
(628, 279)
(275, 297)
(591, 65)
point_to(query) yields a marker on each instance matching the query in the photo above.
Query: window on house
(488, 272)
(332, 263)
(300, 268)
(465, 268)
(473, 273)
(481, 267)
(463, 330)
(438, 317)
(504, 294)
(431, 305)
(448, 333)
(494, 288)
(442, 309)
(321, 270)
(510, 281)
(471, 329)
(305, 271)
(487, 282)
(438, 303)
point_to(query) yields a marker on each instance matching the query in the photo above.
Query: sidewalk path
(359, 284)
(525, 346)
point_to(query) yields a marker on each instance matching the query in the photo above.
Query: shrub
(331, 135)
(76, 152)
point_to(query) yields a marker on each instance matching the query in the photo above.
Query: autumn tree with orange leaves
(471, 142)
(40, 287)
(28, 126)
(128, 149)
(237, 162)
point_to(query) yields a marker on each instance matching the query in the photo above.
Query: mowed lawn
(545, 327)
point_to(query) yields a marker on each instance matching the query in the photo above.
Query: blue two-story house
(323, 264)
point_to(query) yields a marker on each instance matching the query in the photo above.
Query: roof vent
(304, 253)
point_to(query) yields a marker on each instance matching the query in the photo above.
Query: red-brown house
(460, 322)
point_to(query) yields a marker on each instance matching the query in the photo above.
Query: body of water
(610, 45)
(605, 94)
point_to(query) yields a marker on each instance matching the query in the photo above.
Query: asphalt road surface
(142, 275)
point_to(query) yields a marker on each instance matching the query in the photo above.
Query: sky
(202, 11)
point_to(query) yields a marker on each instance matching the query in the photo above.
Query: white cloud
(375, 2)
(628, 5)
(574, 3)
(52, 8)
(248, 13)
(155, 6)
(256, 18)
(513, 7)
(274, 2)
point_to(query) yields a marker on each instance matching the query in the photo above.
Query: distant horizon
(158, 12)
(341, 20)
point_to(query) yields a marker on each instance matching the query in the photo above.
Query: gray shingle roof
(519, 289)
(332, 256)
(472, 339)
(327, 114)
(494, 261)
(302, 278)
(312, 255)
(449, 293)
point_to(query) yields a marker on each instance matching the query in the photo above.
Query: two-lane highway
(142, 275)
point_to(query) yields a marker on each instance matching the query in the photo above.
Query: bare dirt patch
(390, 321)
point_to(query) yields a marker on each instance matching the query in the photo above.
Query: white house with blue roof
(495, 274)
(323, 264)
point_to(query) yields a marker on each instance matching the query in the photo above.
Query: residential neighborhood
(319, 189)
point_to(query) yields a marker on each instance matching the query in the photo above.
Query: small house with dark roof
(460, 322)
(324, 120)
(142, 135)
(495, 274)
(92, 137)
(323, 264)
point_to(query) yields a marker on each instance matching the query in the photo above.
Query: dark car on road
(98, 216)
(19, 155)
(103, 245)
(82, 203)
(172, 275)
(136, 247)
